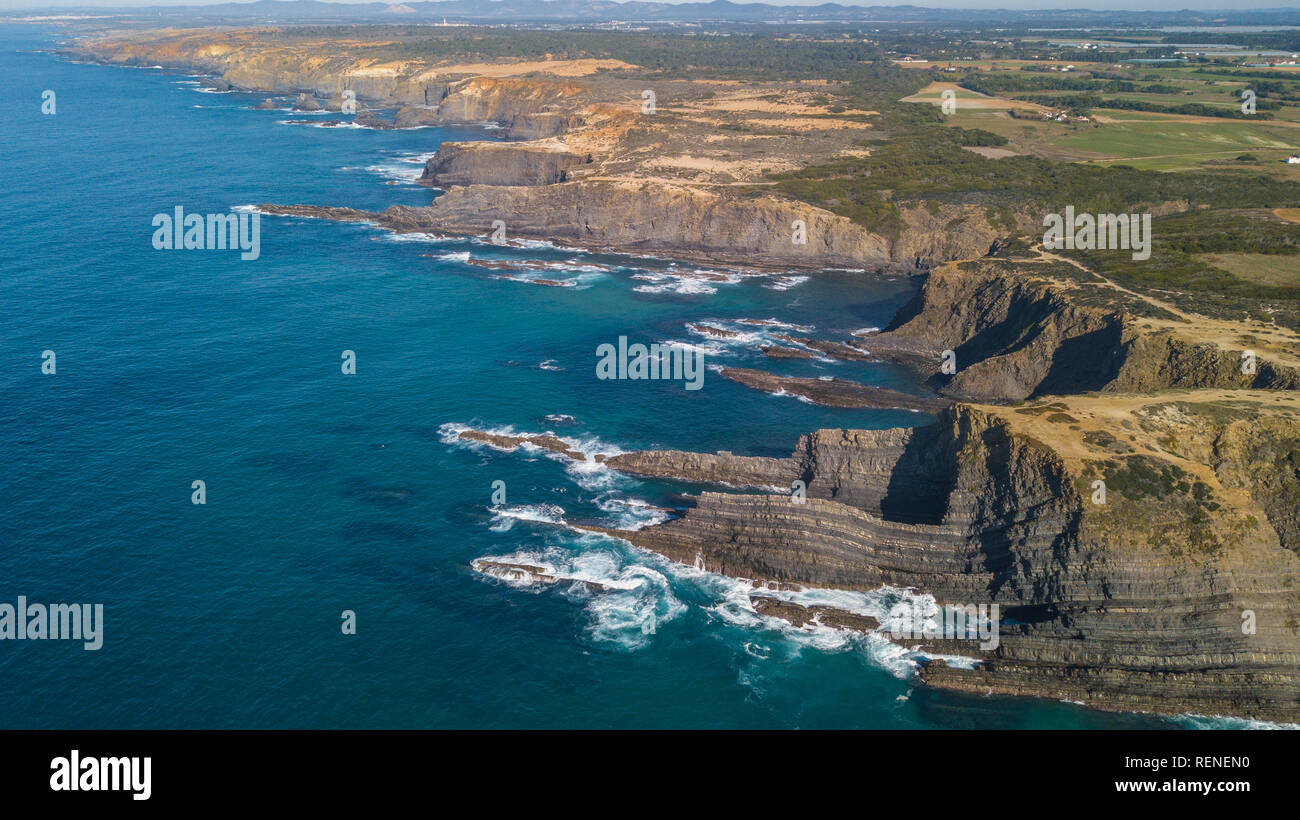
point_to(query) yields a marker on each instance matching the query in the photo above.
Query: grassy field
(1160, 142)
(1260, 268)
(1171, 142)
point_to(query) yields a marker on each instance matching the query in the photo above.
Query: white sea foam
(643, 591)
(404, 168)
(784, 282)
(419, 236)
(710, 348)
(777, 324)
(636, 600)
(685, 287)
(743, 338)
(589, 474)
(533, 279)
(697, 281)
(731, 604)
(885, 605)
(782, 393)
(1212, 722)
(632, 513)
(328, 125)
(750, 337)
(504, 517)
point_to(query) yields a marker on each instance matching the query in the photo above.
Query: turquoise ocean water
(328, 492)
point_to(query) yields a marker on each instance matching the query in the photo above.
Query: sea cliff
(1137, 603)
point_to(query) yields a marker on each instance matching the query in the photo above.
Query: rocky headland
(584, 162)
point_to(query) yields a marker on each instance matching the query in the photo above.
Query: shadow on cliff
(1023, 500)
(922, 480)
(1016, 507)
(1084, 363)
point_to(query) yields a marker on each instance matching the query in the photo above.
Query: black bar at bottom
(617, 770)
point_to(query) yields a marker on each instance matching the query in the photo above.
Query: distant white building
(1294, 159)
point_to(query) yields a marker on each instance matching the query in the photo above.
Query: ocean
(328, 492)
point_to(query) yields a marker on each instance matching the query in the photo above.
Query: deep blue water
(328, 492)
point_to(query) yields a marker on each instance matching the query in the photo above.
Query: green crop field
(1171, 142)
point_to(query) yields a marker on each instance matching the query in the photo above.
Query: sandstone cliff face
(489, 163)
(947, 232)
(527, 109)
(529, 183)
(1017, 336)
(1133, 604)
(1153, 361)
(676, 220)
(660, 218)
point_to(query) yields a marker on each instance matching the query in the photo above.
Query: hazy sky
(1129, 5)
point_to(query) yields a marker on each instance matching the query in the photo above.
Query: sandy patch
(756, 104)
(967, 99)
(991, 152)
(736, 168)
(556, 68)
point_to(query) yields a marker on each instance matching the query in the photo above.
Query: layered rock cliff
(1133, 602)
(1136, 603)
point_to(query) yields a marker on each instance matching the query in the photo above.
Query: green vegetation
(1189, 505)
(928, 161)
(1178, 272)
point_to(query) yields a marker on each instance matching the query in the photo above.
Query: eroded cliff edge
(1043, 326)
(585, 163)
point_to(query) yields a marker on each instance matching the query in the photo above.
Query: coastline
(1143, 358)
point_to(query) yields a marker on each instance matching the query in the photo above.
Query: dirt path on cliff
(1281, 344)
(1151, 300)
